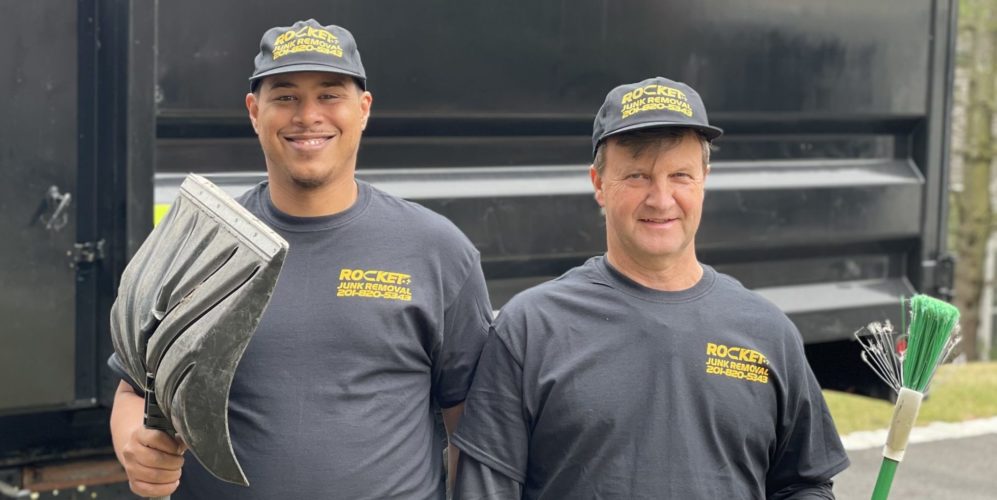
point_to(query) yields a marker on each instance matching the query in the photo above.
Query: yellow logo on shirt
(737, 362)
(374, 284)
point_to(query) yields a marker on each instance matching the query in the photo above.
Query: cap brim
(295, 68)
(709, 131)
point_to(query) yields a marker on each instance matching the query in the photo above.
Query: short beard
(309, 183)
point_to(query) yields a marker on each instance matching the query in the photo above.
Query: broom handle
(904, 415)
(885, 479)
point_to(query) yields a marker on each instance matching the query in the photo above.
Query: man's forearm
(451, 417)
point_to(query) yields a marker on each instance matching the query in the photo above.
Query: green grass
(958, 393)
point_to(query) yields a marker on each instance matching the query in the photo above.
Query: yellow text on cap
(658, 90)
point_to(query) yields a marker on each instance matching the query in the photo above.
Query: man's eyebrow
(283, 84)
(288, 84)
(333, 83)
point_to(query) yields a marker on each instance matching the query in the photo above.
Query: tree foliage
(972, 207)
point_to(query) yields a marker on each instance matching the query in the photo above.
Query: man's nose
(660, 193)
(308, 113)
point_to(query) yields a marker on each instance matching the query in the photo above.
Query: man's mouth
(654, 221)
(308, 142)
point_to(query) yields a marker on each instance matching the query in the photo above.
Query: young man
(376, 323)
(644, 373)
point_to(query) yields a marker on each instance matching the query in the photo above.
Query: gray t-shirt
(377, 321)
(593, 386)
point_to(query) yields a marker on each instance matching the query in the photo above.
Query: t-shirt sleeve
(477, 481)
(466, 322)
(114, 363)
(822, 491)
(808, 450)
(494, 429)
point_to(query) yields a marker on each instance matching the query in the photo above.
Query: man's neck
(669, 275)
(328, 199)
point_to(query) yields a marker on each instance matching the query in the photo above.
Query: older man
(644, 373)
(376, 322)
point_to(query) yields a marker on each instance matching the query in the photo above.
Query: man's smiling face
(309, 125)
(653, 201)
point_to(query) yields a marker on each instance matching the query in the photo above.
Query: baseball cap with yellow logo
(308, 46)
(655, 102)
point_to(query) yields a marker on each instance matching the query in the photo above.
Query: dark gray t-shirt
(377, 321)
(593, 386)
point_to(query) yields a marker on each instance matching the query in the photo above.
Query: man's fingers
(144, 489)
(156, 459)
(153, 449)
(152, 460)
(161, 441)
(152, 475)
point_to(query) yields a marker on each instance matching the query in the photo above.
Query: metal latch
(941, 273)
(57, 209)
(86, 252)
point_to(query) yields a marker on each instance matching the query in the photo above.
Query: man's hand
(151, 458)
(451, 417)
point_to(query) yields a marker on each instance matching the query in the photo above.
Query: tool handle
(904, 415)
(154, 417)
(885, 479)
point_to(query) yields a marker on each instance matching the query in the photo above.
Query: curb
(935, 431)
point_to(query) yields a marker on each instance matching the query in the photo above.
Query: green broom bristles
(930, 329)
(929, 341)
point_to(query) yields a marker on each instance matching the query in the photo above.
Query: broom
(907, 365)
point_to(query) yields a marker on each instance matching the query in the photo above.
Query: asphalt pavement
(954, 469)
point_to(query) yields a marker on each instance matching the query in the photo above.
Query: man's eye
(284, 98)
(636, 175)
(328, 96)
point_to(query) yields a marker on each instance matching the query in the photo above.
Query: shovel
(187, 307)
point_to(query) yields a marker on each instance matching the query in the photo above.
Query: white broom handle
(904, 415)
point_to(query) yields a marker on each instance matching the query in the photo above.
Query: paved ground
(956, 469)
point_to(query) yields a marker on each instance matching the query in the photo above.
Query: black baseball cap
(308, 46)
(655, 102)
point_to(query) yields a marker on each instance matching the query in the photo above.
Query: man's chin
(309, 182)
(661, 250)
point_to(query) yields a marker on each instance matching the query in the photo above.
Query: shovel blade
(187, 308)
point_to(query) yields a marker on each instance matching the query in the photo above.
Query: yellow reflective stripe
(158, 212)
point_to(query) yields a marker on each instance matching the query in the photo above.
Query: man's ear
(254, 110)
(366, 100)
(597, 185)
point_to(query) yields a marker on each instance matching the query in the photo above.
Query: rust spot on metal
(71, 475)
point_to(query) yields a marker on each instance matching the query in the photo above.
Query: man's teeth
(310, 142)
